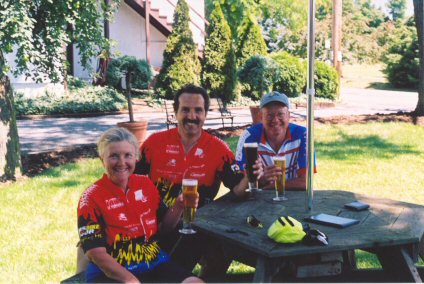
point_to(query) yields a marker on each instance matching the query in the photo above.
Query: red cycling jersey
(123, 223)
(210, 160)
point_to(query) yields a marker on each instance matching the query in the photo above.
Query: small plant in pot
(260, 73)
(125, 73)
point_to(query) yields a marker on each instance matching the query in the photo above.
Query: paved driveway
(58, 133)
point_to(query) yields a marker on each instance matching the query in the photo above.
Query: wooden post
(147, 13)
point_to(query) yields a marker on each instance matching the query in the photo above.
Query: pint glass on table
(280, 182)
(251, 150)
(189, 189)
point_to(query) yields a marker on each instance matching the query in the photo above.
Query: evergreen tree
(219, 71)
(397, 9)
(180, 62)
(250, 41)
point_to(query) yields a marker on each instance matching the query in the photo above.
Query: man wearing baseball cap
(276, 136)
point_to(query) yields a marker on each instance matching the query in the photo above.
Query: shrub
(83, 100)
(143, 72)
(326, 81)
(218, 74)
(180, 63)
(250, 41)
(292, 77)
(402, 59)
(75, 83)
(260, 73)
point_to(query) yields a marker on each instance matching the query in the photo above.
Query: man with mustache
(188, 151)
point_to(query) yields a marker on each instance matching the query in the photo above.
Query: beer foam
(251, 145)
(279, 158)
(190, 182)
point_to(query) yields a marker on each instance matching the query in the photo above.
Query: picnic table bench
(217, 110)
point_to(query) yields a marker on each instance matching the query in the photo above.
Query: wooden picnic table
(390, 229)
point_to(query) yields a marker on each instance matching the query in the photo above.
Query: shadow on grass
(351, 147)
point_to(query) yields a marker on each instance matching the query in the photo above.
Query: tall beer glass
(280, 182)
(251, 150)
(189, 188)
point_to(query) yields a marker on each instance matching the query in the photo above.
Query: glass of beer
(251, 150)
(189, 188)
(280, 182)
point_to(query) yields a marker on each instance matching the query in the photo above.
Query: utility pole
(337, 36)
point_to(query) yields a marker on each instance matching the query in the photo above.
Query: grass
(364, 76)
(38, 216)
(38, 233)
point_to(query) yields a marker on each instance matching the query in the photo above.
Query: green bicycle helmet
(286, 230)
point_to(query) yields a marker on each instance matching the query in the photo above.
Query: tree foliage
(250, 41)
(40, 30)
(235, 11)
(180, 62)
(218, 75)
(397, 9)
(402, 57)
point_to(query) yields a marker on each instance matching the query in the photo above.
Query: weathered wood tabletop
(390, 229)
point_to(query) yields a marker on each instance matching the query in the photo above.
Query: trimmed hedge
(260, 73)
(326, 81)
(292, 77)
(143, 72)
(83, 100)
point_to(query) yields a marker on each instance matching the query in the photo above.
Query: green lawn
(38, 216)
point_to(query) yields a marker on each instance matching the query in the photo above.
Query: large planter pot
(138, 128)
(256, 113)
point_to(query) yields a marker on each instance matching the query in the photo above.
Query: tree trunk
(10, 156)
(419, 14)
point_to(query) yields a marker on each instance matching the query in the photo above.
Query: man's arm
(298, 183)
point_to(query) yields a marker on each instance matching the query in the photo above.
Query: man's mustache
(187, 120)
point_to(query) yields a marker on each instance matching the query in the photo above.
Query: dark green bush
(292, 77)
(83, 100)
(142, 71)
(260, 73)
(326, 81)
(402, 60)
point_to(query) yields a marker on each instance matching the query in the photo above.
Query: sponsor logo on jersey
(235, 168)
(88, 230)
(122, 217)
(139, 196)
(114, 203)
(199, 153)
(172, 149)
(172, 163)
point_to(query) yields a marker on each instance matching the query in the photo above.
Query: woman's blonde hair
(116, 134)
